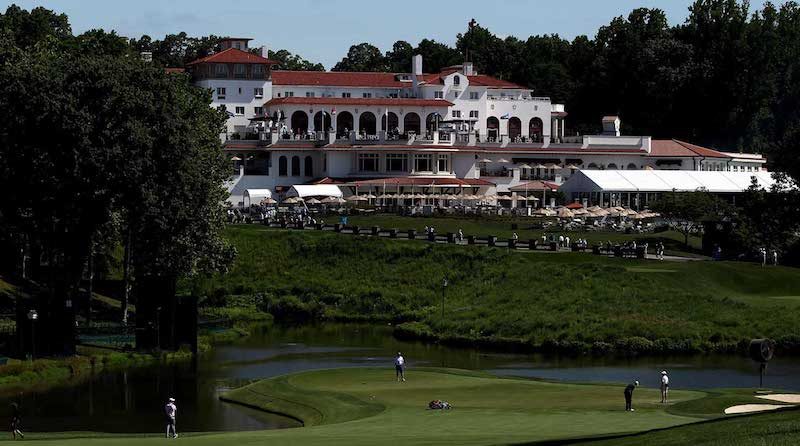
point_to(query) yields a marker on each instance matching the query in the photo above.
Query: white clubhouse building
(451, 131)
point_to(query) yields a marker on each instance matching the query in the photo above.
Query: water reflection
(132, 401)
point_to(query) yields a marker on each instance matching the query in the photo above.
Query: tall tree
(362, 57)
(289, 61)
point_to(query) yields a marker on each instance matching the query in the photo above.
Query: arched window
(322, 121)
(411, 123)
(299, 123)
(295, 166)
(393, 122)
(632, 166)
(309, 166)
(492, 127)
(344, 123)
(535, 129)
(611, 166)
(592, 166)
(514, 128)
(456, 80)
(431, 121)
(367, 123)
(282, 166)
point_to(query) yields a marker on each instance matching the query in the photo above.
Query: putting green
(367, 406)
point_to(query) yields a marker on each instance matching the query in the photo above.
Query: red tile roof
(415, 181)
(174, 70)
(233, 55)
(534, 185)
(398, 102)
(675, 148)
(478, 80)
(338, 79)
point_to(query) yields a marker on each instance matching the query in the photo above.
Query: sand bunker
(782, 398)
(748, 408)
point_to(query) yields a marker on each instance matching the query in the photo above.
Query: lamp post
(444, 288)
(33, 316)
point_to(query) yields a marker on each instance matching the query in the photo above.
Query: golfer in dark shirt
(629, 395)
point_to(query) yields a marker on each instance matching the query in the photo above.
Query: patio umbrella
(503, 160)
(504, 198)
(419, 197)
(293, 200)
(485, 160)
(332, 200)
(565, 213)
(268, 201)
(539, 166)
(577, 212)
(355, 198)
(370, 197)
(571, 166)
(385, 196)
(551, 165)
(524, 166)
(235, 158)
(594, 208)
(313, 201)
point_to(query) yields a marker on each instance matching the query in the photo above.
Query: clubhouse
(456, 131)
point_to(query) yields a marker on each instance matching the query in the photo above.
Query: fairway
(367, 406)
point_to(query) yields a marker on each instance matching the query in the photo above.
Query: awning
(314, 190)
(255, 196)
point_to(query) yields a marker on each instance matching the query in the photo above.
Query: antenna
(471, 25)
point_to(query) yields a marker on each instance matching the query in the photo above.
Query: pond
(131, 402)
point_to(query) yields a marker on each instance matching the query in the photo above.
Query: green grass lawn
(368, 407)
(571, 301)
(528, 228)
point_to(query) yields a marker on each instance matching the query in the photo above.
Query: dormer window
(456, 80)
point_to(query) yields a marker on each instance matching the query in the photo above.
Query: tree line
(101, 152)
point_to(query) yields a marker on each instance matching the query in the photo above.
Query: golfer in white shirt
(664, 387)
(399, 367)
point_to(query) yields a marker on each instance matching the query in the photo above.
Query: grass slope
(575, 301)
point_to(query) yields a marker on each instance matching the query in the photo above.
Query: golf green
(368, 406)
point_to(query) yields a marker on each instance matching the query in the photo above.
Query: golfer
(171, 411)
(629, 395)
(664, 387)
(16, 420)
(399, 367)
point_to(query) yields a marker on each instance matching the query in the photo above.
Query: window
(295, 166)
(282, 166)
(396, 162)
(259, 111)
(368, 162)
(455, 94)
(366, 95)
(438, 95)
(345, 95)
(457, 80)
(237, 45)
(308, 166)
(393, 95)
(240, 91)
(310, 94)
(473, 114)
(240, 111)
(444, 163)
(288, 94)
(258, 92)
(456, 113)
(239, 70)
(474, 95)
(220, 70)
(258, 70)
(221, 93)
(423, 162)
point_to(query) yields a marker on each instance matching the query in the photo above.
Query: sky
(323, 30)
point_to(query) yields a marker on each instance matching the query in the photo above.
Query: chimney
(416, 65)
(264, 52)
(468, 70)
(611, 125)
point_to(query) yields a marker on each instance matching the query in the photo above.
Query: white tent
(254, 196)
(314, 190)
(663, 181)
